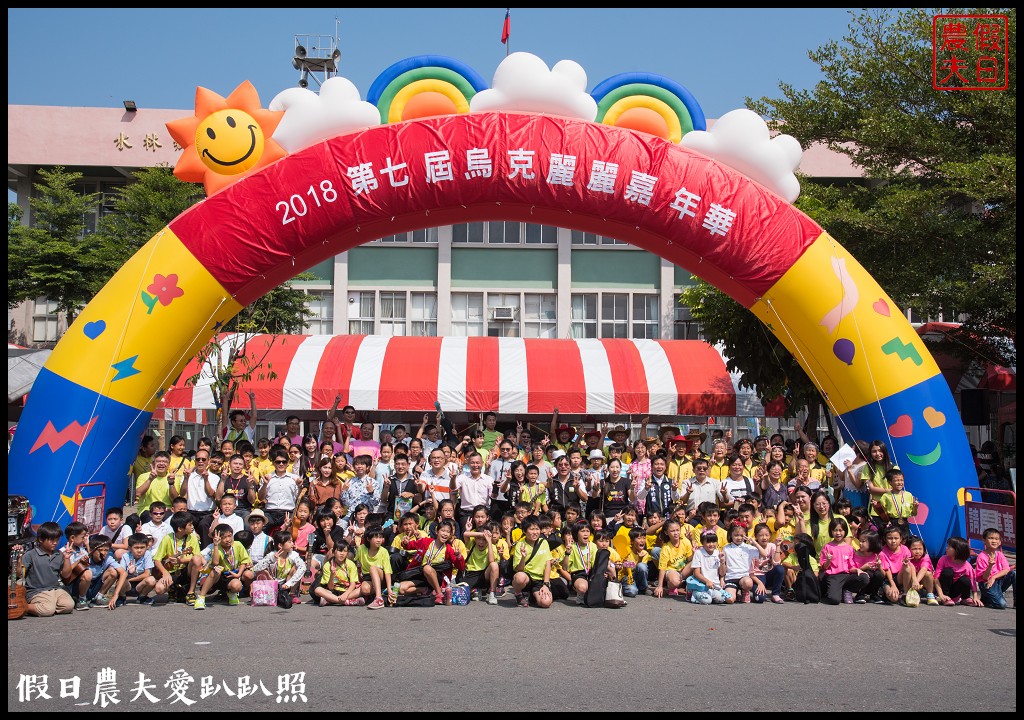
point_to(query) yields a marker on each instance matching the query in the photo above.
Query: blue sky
(98, 58)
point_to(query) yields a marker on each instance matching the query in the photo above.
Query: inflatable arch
(96, 394)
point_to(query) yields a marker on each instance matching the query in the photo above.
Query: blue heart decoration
(94, 329)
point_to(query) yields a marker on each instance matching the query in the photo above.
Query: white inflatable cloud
(310, 118)
(523, 82)
(740, 139)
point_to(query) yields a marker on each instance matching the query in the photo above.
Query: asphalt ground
(652, 655)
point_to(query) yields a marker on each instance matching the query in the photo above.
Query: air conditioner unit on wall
(503, 313)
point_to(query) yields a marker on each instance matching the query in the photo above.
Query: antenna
(316, 57)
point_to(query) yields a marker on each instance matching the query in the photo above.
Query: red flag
(506, 29)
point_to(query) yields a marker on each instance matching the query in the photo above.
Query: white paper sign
(846, 452)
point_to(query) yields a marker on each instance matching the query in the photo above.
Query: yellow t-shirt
(477, 559)
(381, 560)
(501, 549)
(581, 558)
(613, 556)
(180, 467)
(878, 480)
(626, 574)
(557, 559)
(652, 541)
(170, 545)
(535, 565)
(679, 471)
(675, 557)
(259, 467)
(345, 575)
(159, 489)
(791, 559)
(536, 494)
(785, 532)
(718, 471)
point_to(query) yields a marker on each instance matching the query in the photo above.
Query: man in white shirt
(201, 492)
(436, 477)
(474, 488)
(500, 471)
(700, 488)
(279, 491)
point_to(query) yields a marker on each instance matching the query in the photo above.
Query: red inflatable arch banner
(98, 390)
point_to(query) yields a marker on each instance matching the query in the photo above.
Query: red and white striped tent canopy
(512, 376)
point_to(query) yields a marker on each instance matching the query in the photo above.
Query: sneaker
(579, 599)
(439, 598)
(99, 600)
(474, 594)
(777, 599)
(356, 601)
(81, 604)
(501, 590)
(190, 598)
(931, 600)
(492, 599)
(860, 599)
(701, 598)
(522, 600)
(847, 597)
(746, 596)
(377, 603)
(120, 602)
(674, 592)
(323, 602)
(232, 598)
(147, 600)
(199, 603)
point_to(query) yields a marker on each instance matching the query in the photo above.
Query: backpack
(806, 585)
(419, 600)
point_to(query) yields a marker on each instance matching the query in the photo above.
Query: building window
(504, 232)
(423, 314)
(468, 314)
(684, 327)
(541, 234)
(427, 235)
(645, 317)
(503, 314)
(614, 315)
(44, 321)
(584, 316)
(361, 313)
(392, 313)
(539, 315)
(584, 238)
(321, 304)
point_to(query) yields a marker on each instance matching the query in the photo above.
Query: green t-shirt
(345, 575)
(580, 556)
(185, 548)
(476, 559)
(491, 437)
(381, 560)
(534, 565)
(898, 506)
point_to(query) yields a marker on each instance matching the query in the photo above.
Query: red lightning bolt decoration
(74, 432)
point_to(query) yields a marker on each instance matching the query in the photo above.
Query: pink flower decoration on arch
(165, 288)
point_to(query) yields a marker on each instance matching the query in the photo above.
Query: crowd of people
(542, 515)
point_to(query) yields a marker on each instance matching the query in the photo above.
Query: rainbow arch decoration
(423, 86)
(649, 103)
(95, 396)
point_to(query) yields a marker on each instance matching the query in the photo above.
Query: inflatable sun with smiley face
(227, 138)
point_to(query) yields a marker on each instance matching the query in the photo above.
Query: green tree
(935, 223)
(54, 257)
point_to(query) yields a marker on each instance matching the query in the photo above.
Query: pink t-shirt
(302, 540)
(862, 559)
(983, 562)
(839, 556)
(893, 561)
(960, 569)
(923, 562)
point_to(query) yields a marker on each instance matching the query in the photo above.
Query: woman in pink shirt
(893, 560)
(993, 572)
(842, 579)
(957, 582)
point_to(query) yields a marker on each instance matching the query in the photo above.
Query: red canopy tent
(513, 376)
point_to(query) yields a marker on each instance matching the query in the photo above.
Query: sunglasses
(280, 462)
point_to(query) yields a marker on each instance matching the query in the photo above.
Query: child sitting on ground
(43, 569)
(339, 580)
(77, 549)
(108, 576)
(282, 564)
(173, 558)
(633, 568)
(706, 581)
(117, 530)
(138, 566)
(956, 575)
(673, 559)
(226, 567)
(994, 574)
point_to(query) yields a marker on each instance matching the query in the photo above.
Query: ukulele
(17, 604)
